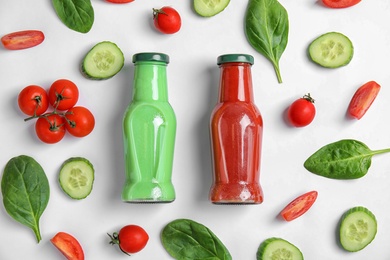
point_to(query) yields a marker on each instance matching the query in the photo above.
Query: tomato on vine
(79, 121)
(166, 20)
(33, 100)
(302, 111)
(50, 128)
(63, 94)
(130, 239)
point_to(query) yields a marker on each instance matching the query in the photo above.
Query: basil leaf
(266, 28)
(186, 239)
(344, 159)
(77, 15)
(25, 191)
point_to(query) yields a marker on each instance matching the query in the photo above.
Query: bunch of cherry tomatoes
(64, 116)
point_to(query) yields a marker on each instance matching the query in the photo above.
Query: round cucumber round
(331, 50)
(76, 177)
(278, 249)
(209, 8)
(357, 229)
(103, 61)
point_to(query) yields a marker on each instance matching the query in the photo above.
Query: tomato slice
(299, 206)
(340, 3)
(68, 246)
(362, 99)
(119, 1)
(22, 39)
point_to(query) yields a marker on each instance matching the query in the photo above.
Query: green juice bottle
(149, 131)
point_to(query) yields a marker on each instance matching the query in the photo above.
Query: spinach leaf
(344, 159)
(186, 239)
(77, 15)
(25, 191)
(266, 28)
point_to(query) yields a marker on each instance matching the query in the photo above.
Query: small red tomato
(362, 99)
(340, 3)
(302, 111)
(22, 39)
(119, 1)
(299, 206)
(33, 100)
(63, 94)
(68, 246)
(167, 20)
(50, 129)
(79, 121)
(131, 239)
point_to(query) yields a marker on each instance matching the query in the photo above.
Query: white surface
(193, 86)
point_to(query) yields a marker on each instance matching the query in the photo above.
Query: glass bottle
(149, 131)
(236, 130)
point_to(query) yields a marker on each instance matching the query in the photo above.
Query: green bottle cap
(235, 58)
(150, 56)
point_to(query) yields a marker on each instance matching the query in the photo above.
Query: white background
(193, 86)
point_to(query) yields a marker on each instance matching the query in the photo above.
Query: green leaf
(186, 239)
(77, 15)
(345, 159)
(266, 28)
(25, 191)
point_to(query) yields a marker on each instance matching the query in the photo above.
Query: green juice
(149, 131)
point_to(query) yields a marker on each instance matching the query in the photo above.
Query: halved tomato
(68, 246)
(119, 1)
(340, 3)
(299, 206)
(22, 39)
(362, 99)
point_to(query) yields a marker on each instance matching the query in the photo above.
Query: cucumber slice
(76, 177)
(331, 50)
(357, 229)
(278, 249)
(209, 8)
(103, 61)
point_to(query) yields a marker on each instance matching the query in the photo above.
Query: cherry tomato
(22, 39)
(33, 100)
(299, 206)
(68, 246)
(362, 99)
(340, 3)
(63, 94)
(302, 111)
(166, 20)
(131, 239)
(79, 121)
(119, 1)
(50, 129)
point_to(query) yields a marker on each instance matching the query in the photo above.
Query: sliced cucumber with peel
(278, 249)
(358, 228)
(76, 177)
(103, 61)
(331, 50)
(208, 8)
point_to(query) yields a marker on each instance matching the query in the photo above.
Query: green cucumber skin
(315, 57)
(199, 8)
(88, 74)
(77, 160)
(346, 243)
(264, 247)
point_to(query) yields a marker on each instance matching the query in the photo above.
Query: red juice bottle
(236, 130)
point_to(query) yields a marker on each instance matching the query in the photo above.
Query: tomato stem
(309, 98)
(115, 241)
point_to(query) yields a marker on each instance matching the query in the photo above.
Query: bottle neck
(235, 82)
(150, 81)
